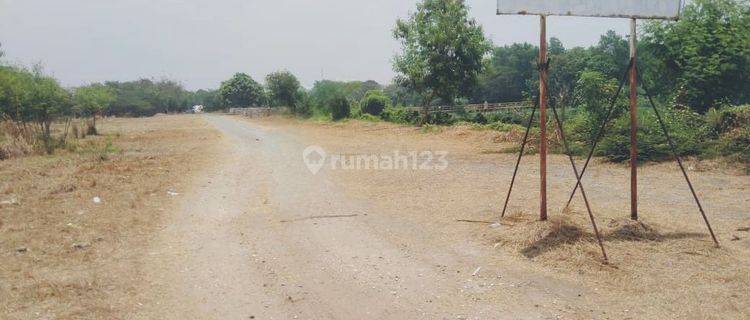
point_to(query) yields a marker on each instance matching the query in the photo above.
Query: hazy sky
(201, 43)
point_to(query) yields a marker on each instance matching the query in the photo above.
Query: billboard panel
(641, 9)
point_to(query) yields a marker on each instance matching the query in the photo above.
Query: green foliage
(400, 114)
(324, 90)
(145, 97)
(369, 117)
(340, 107)
(707, 52)
(442, 51)
(508, 74)
(479, 118)
(594, 92)
(401, 95)
(684, 127)
(207, 98)
(31, 96)
(440, 118)
(283, 88)
(510, 116)
(731, 127)
(323, 93)
(93, 99)
(374, 102)
(304, 104)
(15, 87)
(241, 91)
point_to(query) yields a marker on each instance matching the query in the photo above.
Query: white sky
(201, 43)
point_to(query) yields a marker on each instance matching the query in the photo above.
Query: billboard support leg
(518, 161)
(677, 158)
(578, 180)
(633, 123)
(543, 118)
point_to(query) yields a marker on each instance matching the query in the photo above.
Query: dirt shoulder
(664, 267)
(66, 256)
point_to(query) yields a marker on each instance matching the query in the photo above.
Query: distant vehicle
(198, 109)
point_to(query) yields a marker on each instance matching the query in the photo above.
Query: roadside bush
(731, 125)
(368, 117)
(303, 105)
(440, 118)
(479, 118)
(340, 108)
(727, 119)
(400, 114)
(374, 102)
(686, 129)
(510, 116)
(736, 144)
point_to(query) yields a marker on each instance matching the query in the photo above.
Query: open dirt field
(216, 217)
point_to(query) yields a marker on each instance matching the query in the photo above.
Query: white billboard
(641, 9)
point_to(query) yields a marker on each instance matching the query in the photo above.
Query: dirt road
(258, 236)
(246, 244)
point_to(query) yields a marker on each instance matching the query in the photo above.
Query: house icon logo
(314, 158)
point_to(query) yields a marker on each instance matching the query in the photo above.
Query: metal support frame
(602, 129)
(679, 162)
(633, 77)
(578, 179)
(518, 161)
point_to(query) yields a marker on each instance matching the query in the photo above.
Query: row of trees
(701, 61)
(697, 63)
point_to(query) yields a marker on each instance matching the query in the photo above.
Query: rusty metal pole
(543, 118)
(633, 123)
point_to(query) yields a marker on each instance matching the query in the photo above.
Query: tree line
(697, 65)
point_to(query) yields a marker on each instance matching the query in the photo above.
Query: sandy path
(243, 245)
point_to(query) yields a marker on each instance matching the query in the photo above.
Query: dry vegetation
(664, 267)
(67, 257)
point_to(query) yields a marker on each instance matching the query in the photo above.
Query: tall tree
(707, 52)
(241, 91)
(442, 51)
(508, 75)
(283, 89)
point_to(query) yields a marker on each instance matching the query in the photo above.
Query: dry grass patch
(76, 224)
(651, 261)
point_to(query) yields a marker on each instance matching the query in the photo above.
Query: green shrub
(374, 102)
(440, 118)
(736, 144)
(686, 129)
(728, 118)
(506, 127)
(479, 118)
(400, 115)
(510, 116)
(732, 126)
(303, 104)
(368, 117)
(340, 108)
